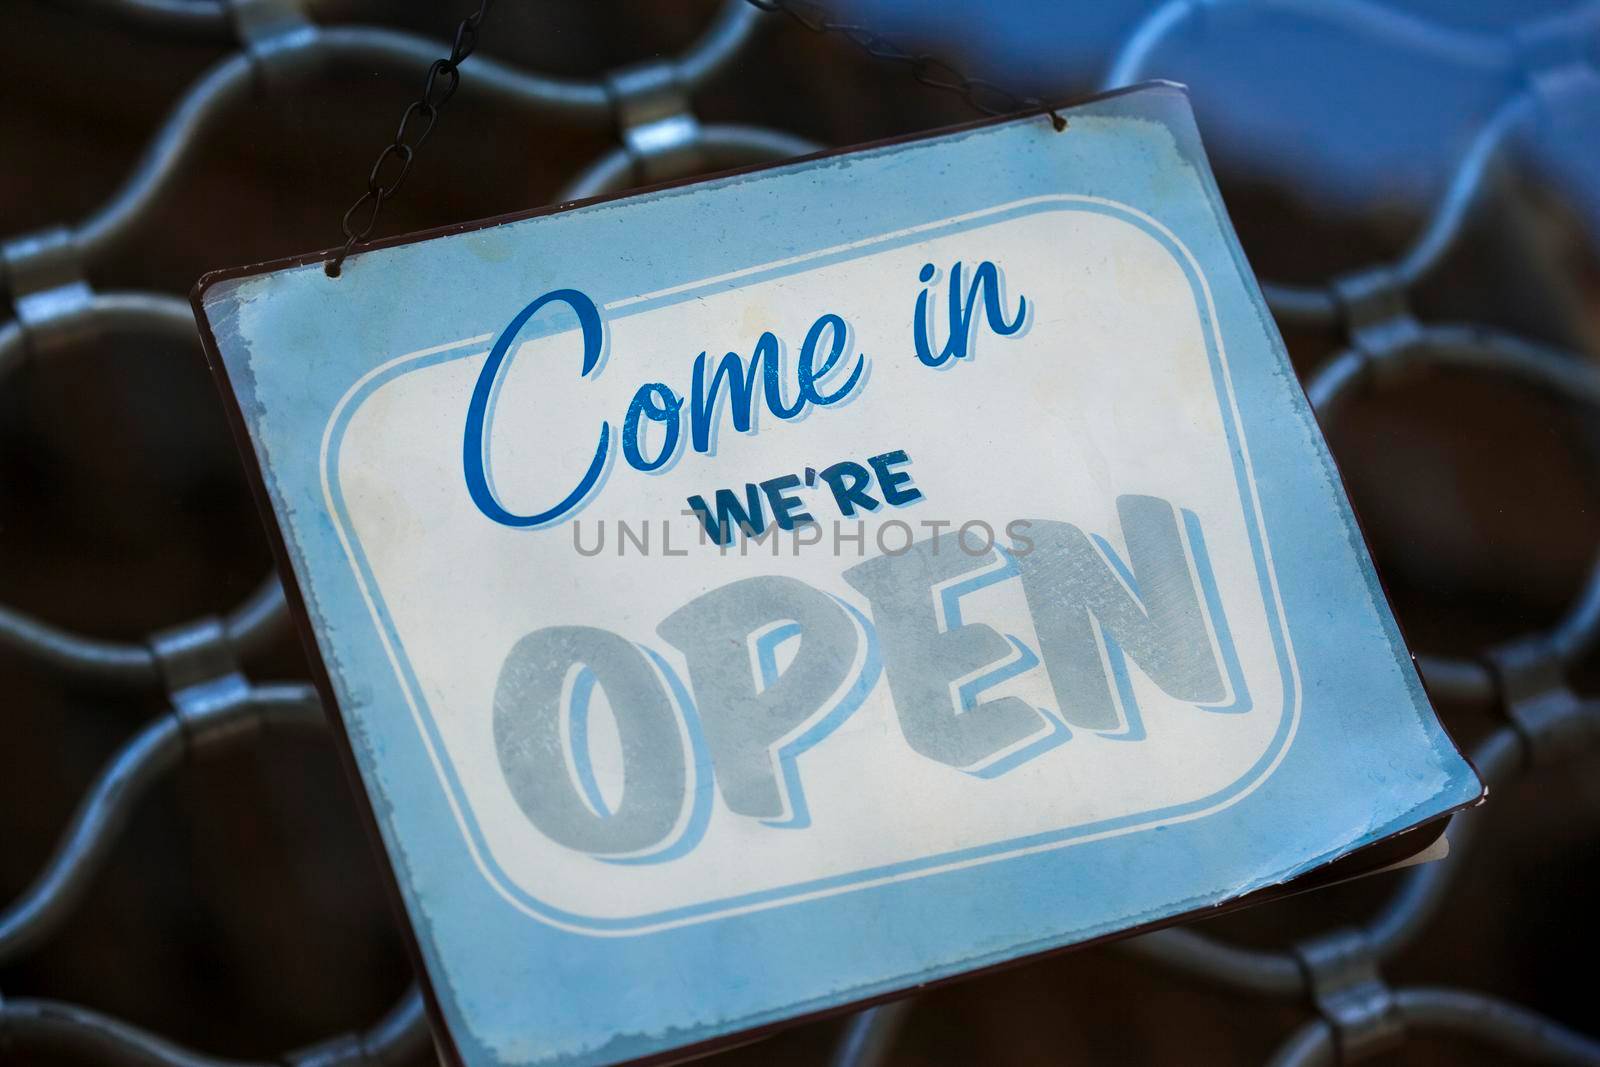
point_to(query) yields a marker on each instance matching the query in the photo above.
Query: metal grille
(1351, 1010)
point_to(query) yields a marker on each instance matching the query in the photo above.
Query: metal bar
(203, 19)
(1489, 1020)
(1379, 22)
(150, 755)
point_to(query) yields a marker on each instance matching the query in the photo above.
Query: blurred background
(241, 910)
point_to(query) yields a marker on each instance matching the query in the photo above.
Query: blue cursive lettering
(475, 440)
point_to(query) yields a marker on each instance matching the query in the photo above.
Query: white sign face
(825, 580)
(456, 593)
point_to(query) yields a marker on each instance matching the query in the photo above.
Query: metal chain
(436, 93)
(982, 96)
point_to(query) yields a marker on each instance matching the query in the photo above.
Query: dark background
(241, 911)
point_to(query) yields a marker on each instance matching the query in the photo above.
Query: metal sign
(757, 596)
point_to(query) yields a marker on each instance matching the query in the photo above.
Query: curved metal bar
(210, 20)
(1300, 304)
(1498, 758)
(1461, 196)
(1463, 347)
(1568, 376)
(574, 99)
(1311, 305)
(1379, 21)
(54, 1026)
(293, 705)
(219, 89)
(724, 146)
(1399, 29)
(1424, 887)
(1480, 349)
(1461, 681)
(1333, 382)
(1486, 349)
(610, 172)
(152, 313)
(1576, 635)
(1127, 66)
(253, 624)
(732, 26)
(189, 18)
(229, 82)
(738, 145)
(1309, 1046)
(869, 1035)
(156, 314)
(1507, 1027)
(1402, 918)
(577, 101)
(153, 752)
(250, 627)
(1249, 970)
(1307, 305)
(104, 811)
(105, 661)
(400, 1037)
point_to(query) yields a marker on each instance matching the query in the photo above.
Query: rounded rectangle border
(907, 870)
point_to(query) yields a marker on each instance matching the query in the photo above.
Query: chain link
(444, 78)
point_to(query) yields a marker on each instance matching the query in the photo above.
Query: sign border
(1374, 855)
(1261, 552)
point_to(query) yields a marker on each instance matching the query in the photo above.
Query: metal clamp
(1376, 313)
(1553, 56)
(654, 120)
(44, 274)
(1547, 715)
(203, 679)
(1341, 969)
(272, 33)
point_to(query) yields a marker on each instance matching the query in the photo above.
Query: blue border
(708, 909)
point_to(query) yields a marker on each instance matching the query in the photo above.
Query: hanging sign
(767, 594)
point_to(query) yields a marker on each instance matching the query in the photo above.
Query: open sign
(641, 740)
(749, 598)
